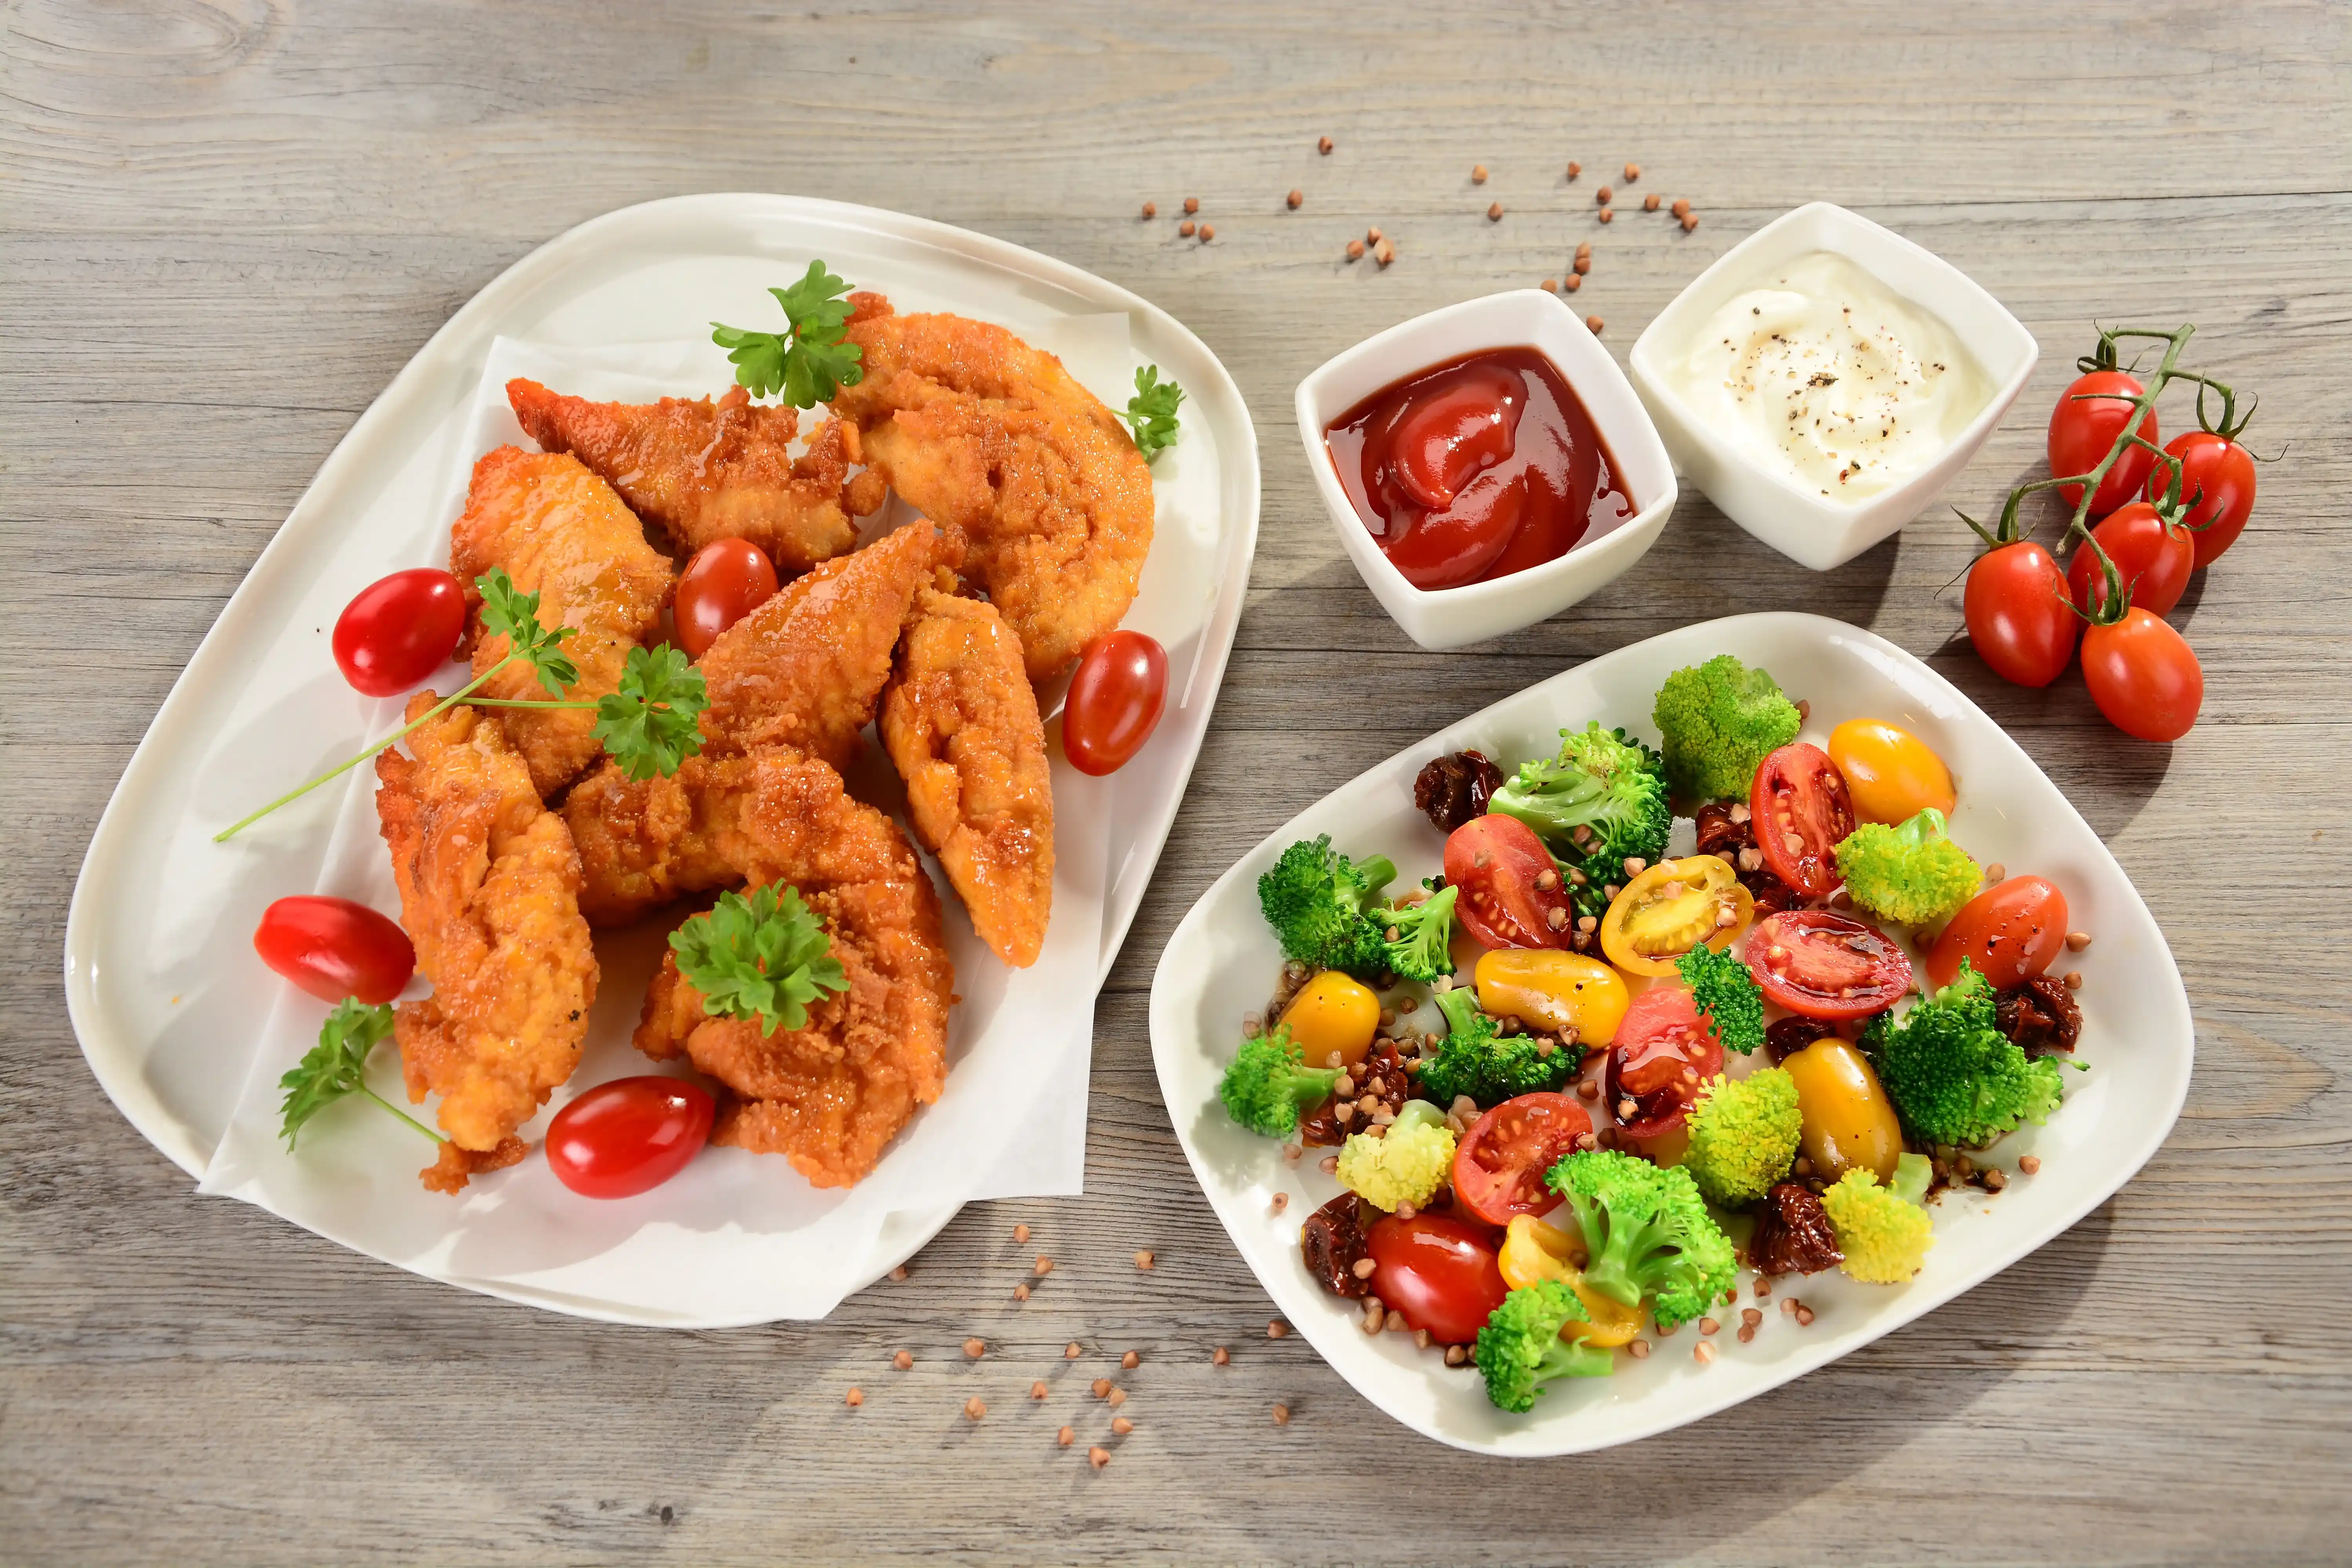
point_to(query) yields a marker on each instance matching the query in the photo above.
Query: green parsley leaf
(764, 956)
(336, 1066)
(1151, 413)
(514, 617)
(649, 726)
(808, 361)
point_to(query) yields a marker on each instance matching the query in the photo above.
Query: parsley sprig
(336, 1067)
(808, 361)
(765, 956)
(1151, 413)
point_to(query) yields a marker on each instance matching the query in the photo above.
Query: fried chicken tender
(828, 1096)
(489, 891)
(706, 470)
(560, 532)
(960, 721)
(972, 427)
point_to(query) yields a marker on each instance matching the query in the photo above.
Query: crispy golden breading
(972, 427)
(830, 1095)
(704, 471)
(489, 891)
(560, 532)
(960, 721)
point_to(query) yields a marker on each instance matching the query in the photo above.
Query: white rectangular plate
(2138, 1040)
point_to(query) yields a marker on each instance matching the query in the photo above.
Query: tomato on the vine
(1825, 965)
(1512, 892)
(2153, 557)
(1801, 812)
(2144, 676)
(2090, 415)
(1499, 1170)
(727, 580)
(2018, 614)
(1114, 702)
(628, 1136)
(2009, 933)
(1440, 1273)
(333, 948)
(2217, 487)
(399, 629)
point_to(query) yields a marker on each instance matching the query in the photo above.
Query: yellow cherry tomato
(1534, 1251)
(1333, 1020)
(1546, 989)
(1847, 1122)
(1891, 773)
(1672, 908)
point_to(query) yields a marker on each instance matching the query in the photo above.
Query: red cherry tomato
(2009, 933)
(1116, 700)
(727, 580)
(400, 629)
(1458, 431)
(1440, 1272)
(1662, 1052)
(2144, 676)
(2153, 561)
(1825, 965)
(1499, 862)
(2018, 614)
(1801, 812)
(2217, 484)
(1499, 1169)
(628, 1136)
(2081, 429)
(333, 948)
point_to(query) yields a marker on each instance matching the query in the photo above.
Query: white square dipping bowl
(1809, 529)
(1523, 317)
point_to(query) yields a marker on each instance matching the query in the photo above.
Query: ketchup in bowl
(1476, 469)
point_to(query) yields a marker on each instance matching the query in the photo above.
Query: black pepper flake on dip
(1453, 789)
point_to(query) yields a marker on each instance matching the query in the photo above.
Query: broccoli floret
(1720, 720)
(1648, 1234)
(1269, 1082)
(1404, 1165)
(1417, 940)
(1520, 1350)
(1743, 1136)
(1884, 1237)
(1914, 875)
(1602, 799)
(1316, 901)
(1953, 1076)
(1477, 1059)
(1722, 988)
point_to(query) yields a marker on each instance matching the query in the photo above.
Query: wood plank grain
(229, 222)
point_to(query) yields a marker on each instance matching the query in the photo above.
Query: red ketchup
(1476, 469)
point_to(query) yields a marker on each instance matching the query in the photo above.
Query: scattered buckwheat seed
(900, 1272)
(1276, 1328)
(1044, 1265)
(1804, 1315)
(1690, 222)
(1600, 198)
(1703, 1353)
(1709, 1325)
(1994, 873)
(1650, 203)
(1151, 209)
(1574, 170)
(1639, 1350)
(1142, 1258)
(902, 1361)
(854, 1398)
(1281, 1201)
(1192, 205)
(2074, 980)
(1065, 1437)
(1608, 215)
(1021, 1292)
(1372, 235)
(1186, 229)
(1098, 1457)
(1294, 198)
(1323, 145)
(1494, 212)
(1477, 173)
(1019, 1232)
(1328, 1165)
(1102, 1387)
(1037, 1391)
(1681, 208)
(974, 1409)
(1592, 325)
(1115, 1398)
(1208, 232)
(1355, 250)
(1575, 281)
(1221, 1356)
(2028, 1163)
(1384, 253)
(1122, 1426)
(975, 1348)
(1282, 1415)
(1070, 1351)
(1131, 1360)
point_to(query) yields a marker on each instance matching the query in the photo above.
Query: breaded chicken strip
(960, 721)
(704, 471)
(972, 427)
(830, 1095)
(560, 532)
(489, 891)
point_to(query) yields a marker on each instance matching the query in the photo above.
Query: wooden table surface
(225, 224)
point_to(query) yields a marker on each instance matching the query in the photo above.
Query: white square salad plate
(2137, 1040)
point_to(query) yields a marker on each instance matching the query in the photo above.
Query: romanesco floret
(1953, 1076)
(1743, 1136)
(1417, 940)
(1520, 1350)
(1412, 1160)
(1722, 988)
(1477, 1059)
(1318, 903)
(1268, 1082)
(1604, 798)
(1648, 1234)
(1913, 874)
(1884, 1239)
(1718, 722)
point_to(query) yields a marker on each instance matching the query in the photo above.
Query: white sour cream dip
(1829, 378)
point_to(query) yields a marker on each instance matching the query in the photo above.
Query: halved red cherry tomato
(727, 580)
(2153, 560)
(334, 948)
(628, 1136)
(2009, 933)
(1116, 700)
(400, 629)
(1512, 891)
(1439, 1272)
(2144, 676)
(1455, 431)
(1665, 1050)
(2217, 484)
(1801, 812)
(1825, 965)
(1499, 1169)
(2083, 427)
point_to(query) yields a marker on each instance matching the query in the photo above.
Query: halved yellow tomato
(1546, 989)
(1891, 773)
(1534, 1251)
(1672, 908)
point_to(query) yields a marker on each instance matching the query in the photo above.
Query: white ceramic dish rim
(1631, 437)
(443, 361)
(1648, 351)
(1174, 997)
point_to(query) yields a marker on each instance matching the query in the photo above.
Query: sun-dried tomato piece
(1793, 1234)
(1332, 1242)
(1719, 835)
(1453, 789)
(2041, 1014)
(1784, 1037)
